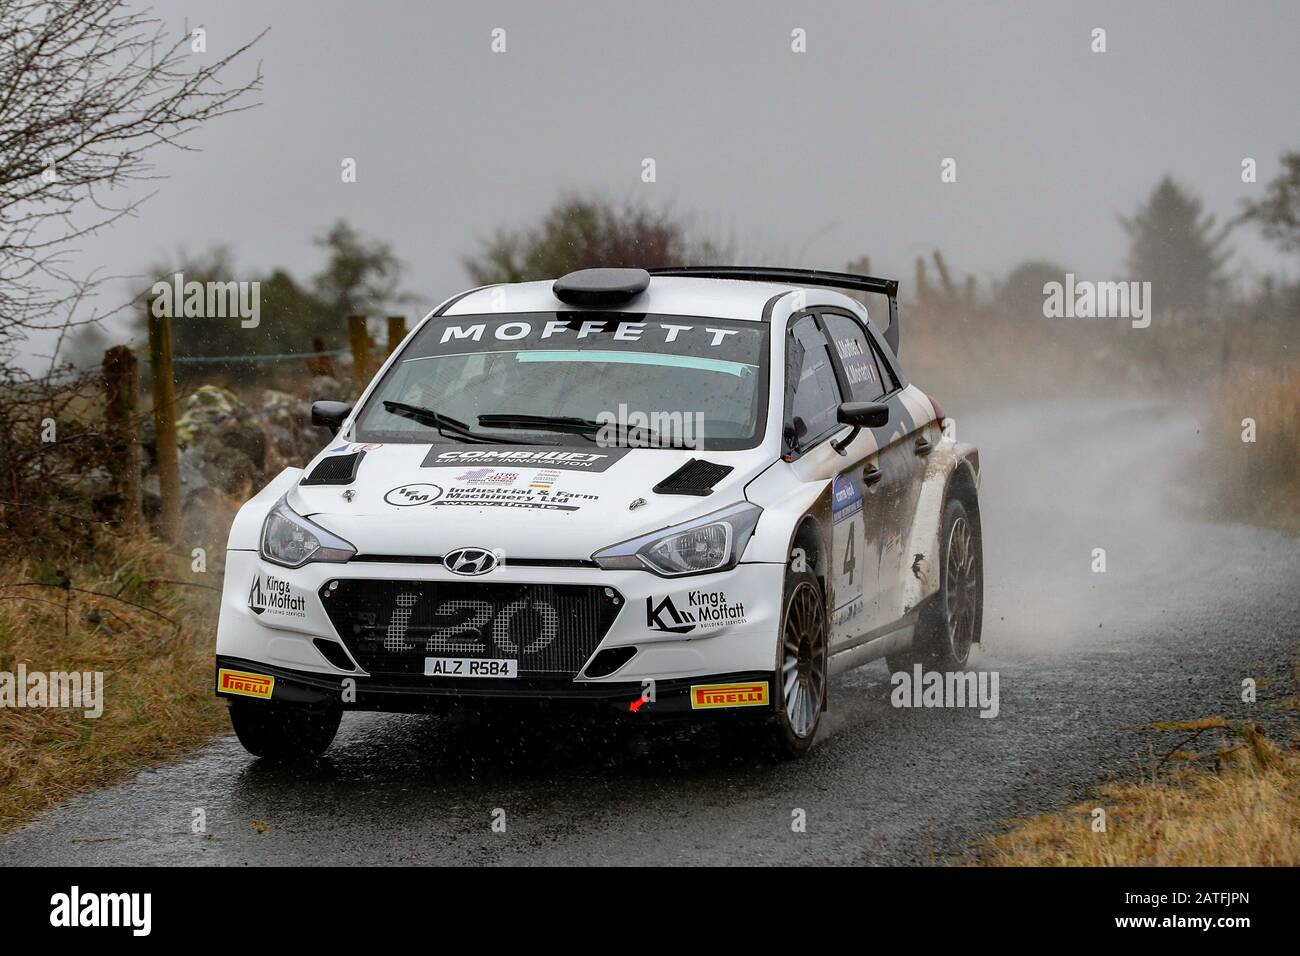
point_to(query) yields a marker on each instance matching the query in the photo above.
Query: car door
(858, 502)
(904, 444)
(819, 385)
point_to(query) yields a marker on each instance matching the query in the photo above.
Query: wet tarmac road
(1085, 661)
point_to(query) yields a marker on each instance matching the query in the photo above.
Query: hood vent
(335, 470)
(696, 477)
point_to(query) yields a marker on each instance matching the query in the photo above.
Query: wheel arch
(952, 471)
(812, 536)
(810, 540)
(963, 484)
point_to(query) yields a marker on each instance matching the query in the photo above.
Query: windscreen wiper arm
(445, 425)
(572, 425)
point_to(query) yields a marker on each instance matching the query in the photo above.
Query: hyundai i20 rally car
(694, 492)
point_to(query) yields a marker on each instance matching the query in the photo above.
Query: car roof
(666, 295)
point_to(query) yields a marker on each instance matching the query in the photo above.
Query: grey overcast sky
(812, 158)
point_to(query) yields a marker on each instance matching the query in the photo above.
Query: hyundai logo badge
(470, 561)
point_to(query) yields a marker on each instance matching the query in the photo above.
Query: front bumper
(720, 695)
(273, 621)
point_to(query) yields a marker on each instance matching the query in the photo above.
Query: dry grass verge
(151, 639)
(1245, 811)
(1257, 481)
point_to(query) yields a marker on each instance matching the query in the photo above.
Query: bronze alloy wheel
(962, 597)
(803, 659)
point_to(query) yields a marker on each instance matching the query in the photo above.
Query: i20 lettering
(472, 625)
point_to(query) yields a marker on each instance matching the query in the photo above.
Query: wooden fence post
(322, 364)
(396, 331)
(164, 420)
(121, 385)
(359, 339)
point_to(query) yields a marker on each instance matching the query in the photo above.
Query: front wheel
(800, 693)
(284, 732)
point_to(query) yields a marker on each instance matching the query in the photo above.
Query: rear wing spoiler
(816, 277)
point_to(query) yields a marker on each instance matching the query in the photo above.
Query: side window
(858, 358)
(816, 398)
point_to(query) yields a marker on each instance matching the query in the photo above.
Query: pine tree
(1278, 213)
(1176, 247)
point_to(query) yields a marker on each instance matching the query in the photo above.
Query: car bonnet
(529, 501)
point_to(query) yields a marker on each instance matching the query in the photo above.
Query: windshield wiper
(445, 425)
(571, 425)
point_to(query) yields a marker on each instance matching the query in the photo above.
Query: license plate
(469, 667)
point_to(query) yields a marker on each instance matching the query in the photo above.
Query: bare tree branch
(89, 89)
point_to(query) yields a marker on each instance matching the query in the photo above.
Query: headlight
(714, 542)
(291, 540)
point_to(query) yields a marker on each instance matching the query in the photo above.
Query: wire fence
(279, 357)
(120, 379)
(68, 374)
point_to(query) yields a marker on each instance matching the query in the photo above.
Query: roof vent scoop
(696, 477)
(601, 287)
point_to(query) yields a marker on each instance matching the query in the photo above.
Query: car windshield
(576, 377)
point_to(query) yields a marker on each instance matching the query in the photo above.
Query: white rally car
(696, 492)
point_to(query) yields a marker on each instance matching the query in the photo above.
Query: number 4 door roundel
(855, 563)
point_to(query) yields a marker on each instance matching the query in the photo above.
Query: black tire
(284, 732)
(950, 624)
(804, 638)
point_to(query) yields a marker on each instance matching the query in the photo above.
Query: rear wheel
(950, 624)
(800, 693)
(284, 732)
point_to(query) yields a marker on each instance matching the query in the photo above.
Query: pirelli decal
(245, 684)
(750, 694)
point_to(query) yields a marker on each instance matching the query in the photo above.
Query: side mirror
(864, 414)
(860, 415)
(330, 414)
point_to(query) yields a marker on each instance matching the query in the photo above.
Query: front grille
(390, 627)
